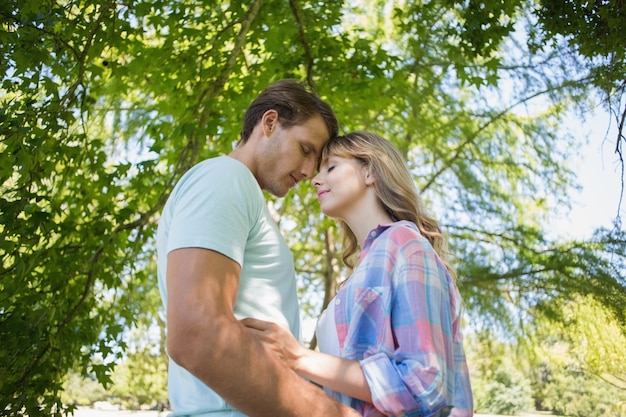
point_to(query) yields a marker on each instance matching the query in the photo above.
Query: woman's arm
(412, 369)
(337, 374)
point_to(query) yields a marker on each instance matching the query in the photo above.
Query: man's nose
(308, 169)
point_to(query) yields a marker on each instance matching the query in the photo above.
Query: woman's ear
(369, 176)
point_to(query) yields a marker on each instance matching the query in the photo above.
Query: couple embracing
(390, 341)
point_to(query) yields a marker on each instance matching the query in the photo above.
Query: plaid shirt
(399, 314)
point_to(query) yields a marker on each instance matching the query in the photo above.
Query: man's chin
(279, 192)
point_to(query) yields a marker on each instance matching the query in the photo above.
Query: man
(222, 258)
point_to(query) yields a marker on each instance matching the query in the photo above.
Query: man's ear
(269, 122)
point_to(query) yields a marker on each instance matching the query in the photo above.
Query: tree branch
(461, 147)
(303, 40)
(618, 151)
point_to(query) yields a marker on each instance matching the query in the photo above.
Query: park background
(501, 109)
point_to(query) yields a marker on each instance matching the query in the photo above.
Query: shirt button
(337, 301)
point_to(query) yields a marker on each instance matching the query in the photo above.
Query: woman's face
(341, 186)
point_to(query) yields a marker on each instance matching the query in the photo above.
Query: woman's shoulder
(402, 231)
(406, 237)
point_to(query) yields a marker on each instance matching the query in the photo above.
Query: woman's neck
(365, 219)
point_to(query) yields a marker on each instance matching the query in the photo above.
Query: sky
(600, 176)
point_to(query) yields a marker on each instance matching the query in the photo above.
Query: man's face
(291, 154)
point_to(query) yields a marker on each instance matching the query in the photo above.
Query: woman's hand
(277, 339)
(338, 374)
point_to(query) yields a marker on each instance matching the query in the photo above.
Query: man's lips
(294, 181)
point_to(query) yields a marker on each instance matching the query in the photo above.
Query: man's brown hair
(294, 104)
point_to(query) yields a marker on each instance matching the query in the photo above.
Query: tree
(595, 30)
(579, 363)
(499, 381)
(106, 103)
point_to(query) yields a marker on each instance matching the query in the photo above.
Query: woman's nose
(316, 181)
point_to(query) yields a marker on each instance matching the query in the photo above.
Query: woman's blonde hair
(394, 187)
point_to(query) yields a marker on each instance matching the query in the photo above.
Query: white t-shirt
(219, 205)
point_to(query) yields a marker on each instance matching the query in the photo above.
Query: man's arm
(205, 338)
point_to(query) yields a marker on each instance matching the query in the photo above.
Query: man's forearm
(250, 378)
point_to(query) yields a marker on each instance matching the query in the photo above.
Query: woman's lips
(321, 193)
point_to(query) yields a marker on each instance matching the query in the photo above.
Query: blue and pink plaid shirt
(399, 314)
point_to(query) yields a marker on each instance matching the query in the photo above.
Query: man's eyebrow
(316, 150)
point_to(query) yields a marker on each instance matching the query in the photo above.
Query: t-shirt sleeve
(214, 211)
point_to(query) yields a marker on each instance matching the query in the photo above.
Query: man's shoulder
(221, 162)
(220, 170)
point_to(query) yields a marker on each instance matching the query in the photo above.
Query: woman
(390, 340)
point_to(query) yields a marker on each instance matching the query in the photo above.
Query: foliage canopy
(104, 104)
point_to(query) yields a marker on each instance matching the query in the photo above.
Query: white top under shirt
(219, 205)
(326, 331)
